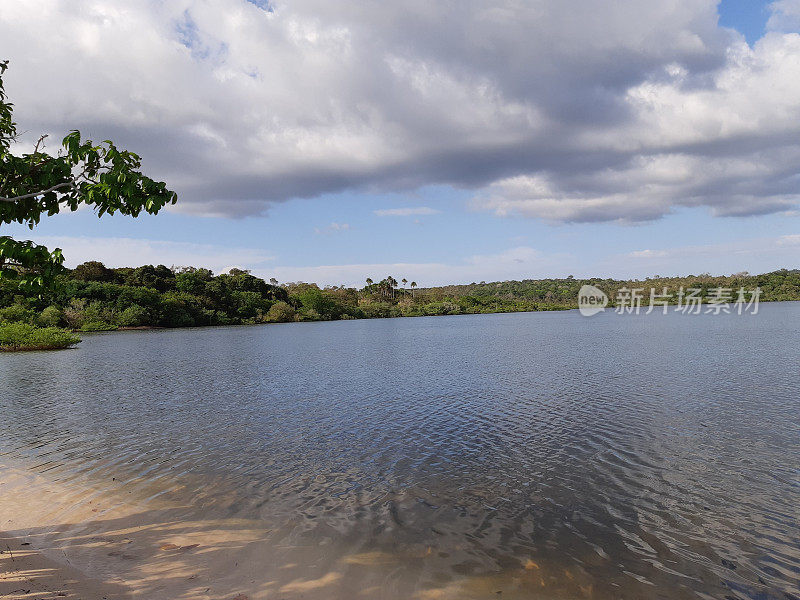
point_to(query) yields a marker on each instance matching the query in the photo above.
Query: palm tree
(405, 281)
(369, 280)
(413, 285)
(392, 283)
(383, 287)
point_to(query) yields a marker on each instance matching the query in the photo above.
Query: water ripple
(610, 457)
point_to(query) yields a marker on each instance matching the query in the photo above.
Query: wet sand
(88, 543)
(26, 573)
(91, 542)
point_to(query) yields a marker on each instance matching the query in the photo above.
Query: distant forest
(93, 297)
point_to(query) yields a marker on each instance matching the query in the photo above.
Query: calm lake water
(546, 453)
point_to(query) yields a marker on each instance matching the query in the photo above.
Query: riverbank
(94, 298)
(697, 309)
(86, 542)
(26, 573)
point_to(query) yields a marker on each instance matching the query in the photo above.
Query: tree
(192, 281)
(405, 281)
(413, 285)
(392, 282)
(281, 312)
(159, 277)
(369, 281)
(92, 271)
(98, 175)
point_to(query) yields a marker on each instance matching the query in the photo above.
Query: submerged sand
(92, 542)
(86, 542)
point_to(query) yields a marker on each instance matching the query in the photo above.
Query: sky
(442, 142)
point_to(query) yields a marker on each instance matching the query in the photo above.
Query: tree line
(93, 297)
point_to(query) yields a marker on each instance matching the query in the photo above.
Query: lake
(530, 455)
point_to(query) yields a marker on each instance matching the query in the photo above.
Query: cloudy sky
(440, 141)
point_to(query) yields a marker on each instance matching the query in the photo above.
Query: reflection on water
(537, 455)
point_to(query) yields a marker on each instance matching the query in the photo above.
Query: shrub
(441, 308)
(280, 312)
(16, 313)
(97, 326)
(220, 318)
(248, 305)
(22, 336)
(309, 314)
(174, 313)
(73, 314)
(52, 316)
(377, 310)
(133, 316)
(99, 312)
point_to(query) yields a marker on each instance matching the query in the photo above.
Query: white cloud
(789, 240)
(725, 145)
(332, 228)
(756, 255)
(648, 254)
(521, 262)
(406, 212)
(785, 16)
(516, 263)
(131, 252)
(600, 110)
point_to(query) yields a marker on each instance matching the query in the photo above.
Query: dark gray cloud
(581, 111)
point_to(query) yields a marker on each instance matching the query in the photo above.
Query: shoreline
(27, 573)
(11, 350)
(94, 298)
(610, 307)
(87, 542)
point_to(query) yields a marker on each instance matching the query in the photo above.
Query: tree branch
(39, 193)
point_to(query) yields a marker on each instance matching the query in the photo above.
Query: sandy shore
(61, 541)
(83, 541)
(93, 542)
(26, 573)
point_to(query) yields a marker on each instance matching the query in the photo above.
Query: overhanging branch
(39, 193)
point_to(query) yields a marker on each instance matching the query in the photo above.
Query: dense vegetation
(778, 285)
(95, 298)
(23, 336)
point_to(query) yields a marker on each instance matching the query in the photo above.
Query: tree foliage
(93, 297)
(21, 336)
(40, 184)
